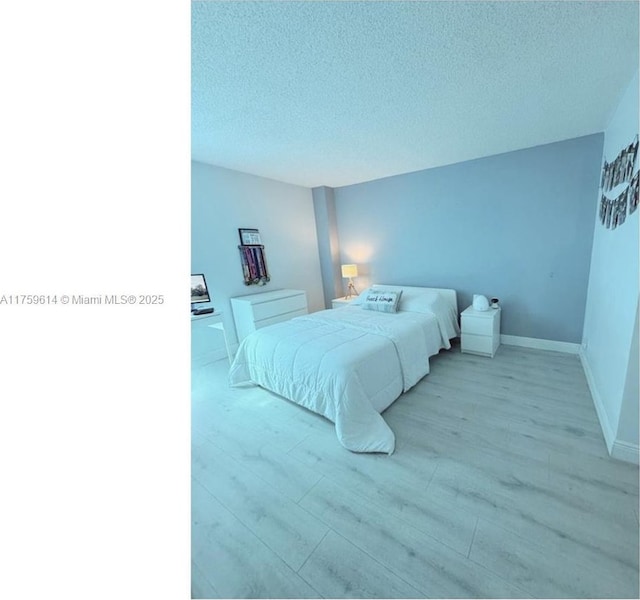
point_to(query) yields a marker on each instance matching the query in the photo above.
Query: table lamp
(349, 271)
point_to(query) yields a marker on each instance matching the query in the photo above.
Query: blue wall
(518, 226)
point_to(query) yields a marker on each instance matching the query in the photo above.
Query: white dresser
(259, 310)
(480, 331)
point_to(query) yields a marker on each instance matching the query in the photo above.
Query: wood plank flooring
(500, 487)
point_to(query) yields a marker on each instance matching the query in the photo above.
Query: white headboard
(449, 295)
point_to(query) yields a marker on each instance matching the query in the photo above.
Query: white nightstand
(340, 302)
(480, 331)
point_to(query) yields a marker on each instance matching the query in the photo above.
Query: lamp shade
(349, 270)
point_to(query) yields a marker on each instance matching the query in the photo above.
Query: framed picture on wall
(250, 237)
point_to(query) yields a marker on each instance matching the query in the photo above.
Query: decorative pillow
(374, 289)
(359, 299)
(381, 301)
(414, 299)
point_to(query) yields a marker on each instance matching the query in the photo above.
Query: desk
(200, 344)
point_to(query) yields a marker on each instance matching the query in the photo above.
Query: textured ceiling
(335, 93)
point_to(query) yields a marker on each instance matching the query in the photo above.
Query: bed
(350, 364)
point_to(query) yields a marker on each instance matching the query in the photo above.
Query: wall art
(252, 258)
(613, 211)
(250, 237)
(620, 170)
(632, 193)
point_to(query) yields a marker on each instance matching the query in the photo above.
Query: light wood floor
(500, 486)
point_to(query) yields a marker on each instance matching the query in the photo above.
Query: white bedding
(347, 364)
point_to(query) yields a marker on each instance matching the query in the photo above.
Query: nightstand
(340, 302)
(480, 331)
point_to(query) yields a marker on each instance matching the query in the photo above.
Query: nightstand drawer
(479, 344)
(478, 325)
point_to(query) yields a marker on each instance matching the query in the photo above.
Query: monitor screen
(199, 291)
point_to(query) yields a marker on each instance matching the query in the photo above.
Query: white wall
(223, 201)
(612, 300)
(629, 413)
(328, 243)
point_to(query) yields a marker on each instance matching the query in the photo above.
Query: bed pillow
(382, 301)
(420, 301)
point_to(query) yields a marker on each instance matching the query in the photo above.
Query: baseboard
(626, 452)
(607, 430)
(539, 344)
(617, 449)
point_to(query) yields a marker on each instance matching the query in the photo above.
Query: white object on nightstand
(480, 302)
(480, 331)
(259, 310)
(340, 302)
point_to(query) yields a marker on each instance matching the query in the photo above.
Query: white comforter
(347, 364)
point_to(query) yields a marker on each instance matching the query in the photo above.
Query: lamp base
(351, 292)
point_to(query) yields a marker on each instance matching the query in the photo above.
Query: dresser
(480, 331)
(259, 310)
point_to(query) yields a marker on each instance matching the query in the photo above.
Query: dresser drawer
(280, 318)
(259, 310)
(479, 344)
(272, 308)
(478, 325)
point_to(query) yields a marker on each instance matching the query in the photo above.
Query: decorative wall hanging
(620, 170)
(252, 257)
(613, 212)
(632, 194)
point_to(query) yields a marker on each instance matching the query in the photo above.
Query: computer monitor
(199, 290)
